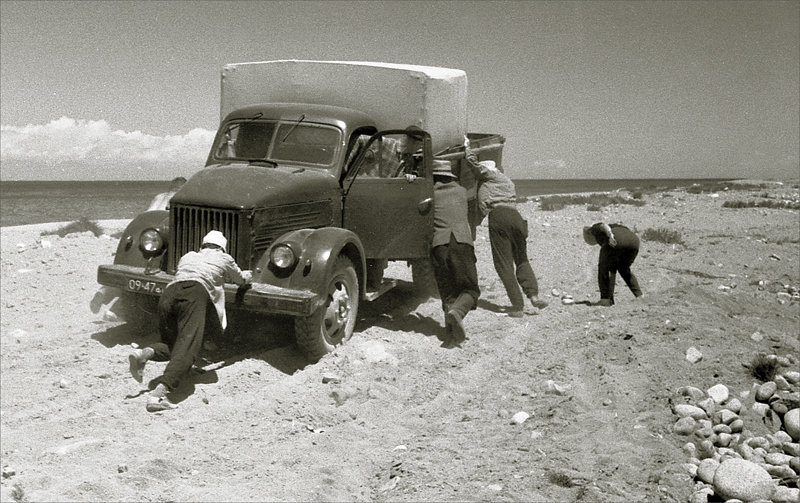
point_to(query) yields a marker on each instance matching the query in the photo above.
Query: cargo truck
(306, 178)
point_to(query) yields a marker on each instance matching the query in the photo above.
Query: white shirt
(212, 268)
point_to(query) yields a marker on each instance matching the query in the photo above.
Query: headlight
(150, 241)
(282, 256)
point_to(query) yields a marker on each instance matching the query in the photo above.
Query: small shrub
(82, 225)
(18, 493)
(662, 235)
(769, 203)
(763, 368)
(552, 203)
(593, 207)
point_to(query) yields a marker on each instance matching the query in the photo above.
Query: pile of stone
(744, 448)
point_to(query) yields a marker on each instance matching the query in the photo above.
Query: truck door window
(391, 156)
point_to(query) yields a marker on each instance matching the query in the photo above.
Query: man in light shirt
(186, 315)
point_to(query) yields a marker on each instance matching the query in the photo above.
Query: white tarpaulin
(395, 96)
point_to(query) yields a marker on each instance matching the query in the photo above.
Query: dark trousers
(612, 260)
(508, 235)
(185, 315)
(454, 266)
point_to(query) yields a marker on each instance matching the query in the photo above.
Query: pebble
(791, 448)
(330, 379)
(791, 423)
(553, 388)
(689, 448)
(794, 464)
(757, 337)
(766, 390)
(718, 393)
(686, 410)
(706, 470)
(737, 426)
(122, 468)
(778, 471)
(520, 417)
(684, 426)
(778, 458)
(721, 428)
(760, 408)
(693, 355)
(705, 449)
(708, 405)
(788, 494)
(8, 472)
(792, 376)
(734, 405)
(782, 383)
(725, 416)
(742, 479)
(690, 468)
(696, 394)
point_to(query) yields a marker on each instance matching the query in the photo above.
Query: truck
(320, 173)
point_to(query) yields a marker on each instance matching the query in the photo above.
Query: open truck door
(391, 212)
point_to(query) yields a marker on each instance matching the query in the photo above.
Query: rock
(779, 407)
(690, 449)
(791, 448)
(330, 379)
(757, 337)
(734, 405)
(760, 409)
(696, 394)
(705, 449)
(520, 417)
(766, 390)
(122, 468)
(779, 438)
(723, 439)
(791, 423)
(693, 355)
(8, 472)
(686, 410)
(725, 416)
(690, 468)
(701, 495)
(778, 458)
(737, 426)
(684, 426)
(778, 471)
(782, 383)
(553, 388)
(718, 393)
(742, 479)
(721, 428)
(756, 442)
(792, 376)
(708, 405)
(705, 471)
(785, 494)
(704, 431)
(794, 464)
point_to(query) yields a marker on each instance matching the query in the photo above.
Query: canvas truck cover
(395, 96)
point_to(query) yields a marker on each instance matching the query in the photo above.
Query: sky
(126, 90)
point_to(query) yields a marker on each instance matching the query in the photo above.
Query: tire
(332, 323)
(423, 278)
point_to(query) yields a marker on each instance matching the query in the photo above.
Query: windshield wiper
(302, 118)
(263, 161)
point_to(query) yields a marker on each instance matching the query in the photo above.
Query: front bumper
(261, 297)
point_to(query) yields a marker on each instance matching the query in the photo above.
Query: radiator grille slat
(189, 224)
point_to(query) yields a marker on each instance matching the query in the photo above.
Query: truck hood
(242, 186)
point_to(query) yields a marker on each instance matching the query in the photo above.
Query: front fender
(317, 250)
(128, 252)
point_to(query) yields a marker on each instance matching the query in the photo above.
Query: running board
(385, 286)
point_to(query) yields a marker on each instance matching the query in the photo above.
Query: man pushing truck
(314, 221)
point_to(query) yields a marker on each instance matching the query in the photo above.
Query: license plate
(144, 286)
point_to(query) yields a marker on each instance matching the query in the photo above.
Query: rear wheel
(332, 323)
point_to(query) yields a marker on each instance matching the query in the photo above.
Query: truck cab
(312, 198)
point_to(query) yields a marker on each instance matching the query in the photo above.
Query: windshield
(289, 142)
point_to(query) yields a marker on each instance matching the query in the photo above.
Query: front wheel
(332, 323)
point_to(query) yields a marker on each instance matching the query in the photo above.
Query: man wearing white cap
(186, 314)
(508, 233)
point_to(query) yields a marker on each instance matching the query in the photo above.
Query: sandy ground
(392, 416)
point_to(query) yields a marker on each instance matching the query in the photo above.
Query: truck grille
(188, 225)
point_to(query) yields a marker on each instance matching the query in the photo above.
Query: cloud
(70, 149)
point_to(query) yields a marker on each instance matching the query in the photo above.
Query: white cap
(488, 164)
(216, 238)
